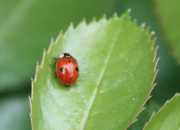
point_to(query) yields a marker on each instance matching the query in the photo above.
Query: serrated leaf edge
(154, 114)
(154, 84)
(71, 28)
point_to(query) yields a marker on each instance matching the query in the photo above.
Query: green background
(28, 26)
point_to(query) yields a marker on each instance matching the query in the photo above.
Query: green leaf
(145, 115)
(169, 16)
(167, 117)
(28, 25)
(117, 68)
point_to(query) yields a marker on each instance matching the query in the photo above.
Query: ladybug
(67, 69)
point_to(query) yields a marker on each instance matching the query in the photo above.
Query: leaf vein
(100, 79)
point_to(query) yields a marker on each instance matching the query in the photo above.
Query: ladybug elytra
(67, 69)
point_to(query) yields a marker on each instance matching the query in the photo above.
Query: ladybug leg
(55, 75)
(55, 58)
(53, 64)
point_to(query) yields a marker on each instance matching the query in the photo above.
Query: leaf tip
(143, 25)
(37, 63)
(93, 19)
(31, 79)
(69, 30)
(127, 16)
(129, 10)
(115, 14)
(84, 19)
(60, 34)
(71, 24)
(134, 120)
(52, 39)
(152, 33)
(104, 16)
(29, 99)
(71, 27)
(154, 85)
(149, 97)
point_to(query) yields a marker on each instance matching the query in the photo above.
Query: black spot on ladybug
(77, 69)
(62, 69)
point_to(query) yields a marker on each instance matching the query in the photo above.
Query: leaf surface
(117, 68)
(28, 25)
(167, 118)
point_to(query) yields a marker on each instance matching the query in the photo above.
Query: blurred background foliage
(26, 26)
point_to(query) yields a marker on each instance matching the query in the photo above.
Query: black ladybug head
(65, 55)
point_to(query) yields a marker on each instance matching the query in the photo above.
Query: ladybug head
(65, 55)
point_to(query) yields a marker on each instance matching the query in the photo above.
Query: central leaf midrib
(100, 79)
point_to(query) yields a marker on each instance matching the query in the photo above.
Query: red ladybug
(67, 69)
